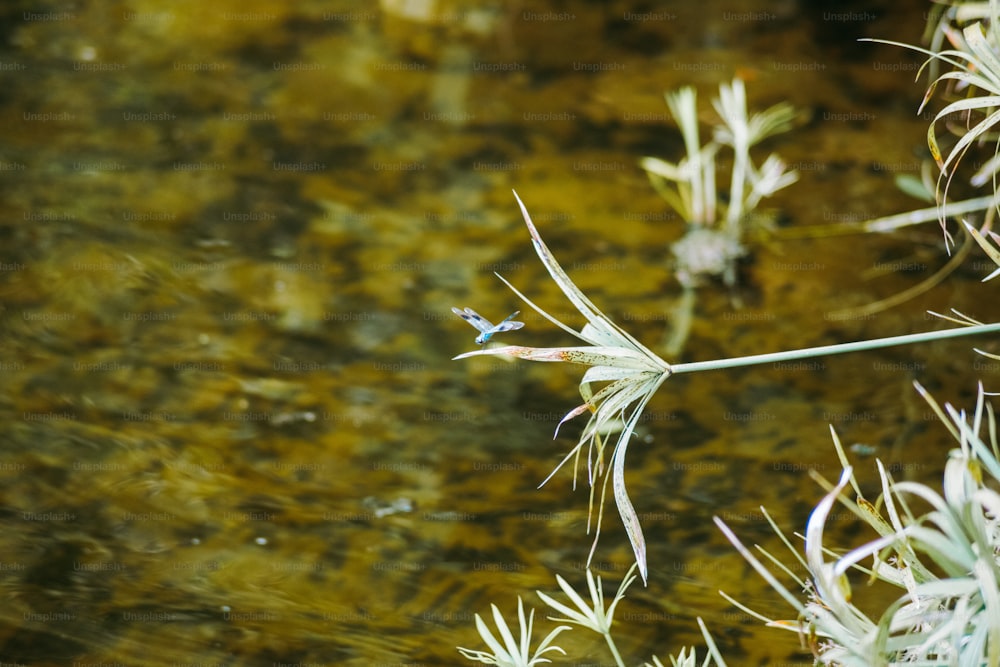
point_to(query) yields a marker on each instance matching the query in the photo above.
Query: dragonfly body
(486, 328)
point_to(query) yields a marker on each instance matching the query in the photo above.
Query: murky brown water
(233, 233)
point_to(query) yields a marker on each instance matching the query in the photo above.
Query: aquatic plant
(714, 242)
(717, 225)
(943, 560)
(976, 74)
(992, 250)
(634, 373)
(591, 615)
(512, 653)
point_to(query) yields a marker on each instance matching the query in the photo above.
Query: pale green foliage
(944, 561)
(714, 242)
(991, 249)
(589, 614)
(592, 616)
(631, 374)
(511, 653)
(975, 78)
(689, 658)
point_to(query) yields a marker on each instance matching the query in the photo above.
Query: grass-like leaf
(592, 615)
(630, 374)
(505, 651)
(975, 66)
(633, 374)
(944, 559)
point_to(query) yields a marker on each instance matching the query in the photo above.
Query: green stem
(735, 105)
(614, 649)
(892, 222)
(790, 355)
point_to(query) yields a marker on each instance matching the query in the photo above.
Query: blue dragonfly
(485, 327)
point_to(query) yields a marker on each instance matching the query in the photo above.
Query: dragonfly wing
(485, 327)
(507, 326)
(474, 318)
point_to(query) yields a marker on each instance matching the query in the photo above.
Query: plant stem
(790, 355)
(614, 649)
(891, 222)
(683, 106)
(734, 103)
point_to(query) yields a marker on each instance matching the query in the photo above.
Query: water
(233, 234)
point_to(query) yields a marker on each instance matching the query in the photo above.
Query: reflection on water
(233, 234)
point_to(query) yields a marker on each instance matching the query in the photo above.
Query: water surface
(233, 234)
